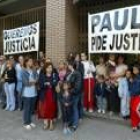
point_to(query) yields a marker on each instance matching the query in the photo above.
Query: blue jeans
(101, 103)
(80, 107)
(28, 109)
(10, 96)
(19, 95)
(76, 100)
(2, 93)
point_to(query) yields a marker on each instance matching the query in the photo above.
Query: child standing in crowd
(66, 102)
(123, 91)
(135, 99)
(101, 68)
(89, 69)
(112, 91)
(62, 71)
(100, 91)
(29, 80)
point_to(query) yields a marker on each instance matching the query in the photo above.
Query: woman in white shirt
(89, 69)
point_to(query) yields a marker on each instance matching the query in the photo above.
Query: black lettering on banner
(106, 24)
(134, 24)
(113, 42)
(29, 30)
(126, 41)
(18, 42)
(34, 28)
(13, 46)
(25, 44)
(95, 21)
(6, 48)
(32, 43)
(92, 43)
(5, 35)
(119, 41)
(104, 42)
(98, 42)
(134, 36)
(125, 20)
(9, 46)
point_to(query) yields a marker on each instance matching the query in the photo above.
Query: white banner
(115, 31)
(21, 40)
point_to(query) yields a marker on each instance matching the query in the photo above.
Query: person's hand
(89, 71)
(2, 80)
(32, 83)
(47, 84)
(66, 104)
(131, 80)
(57, 88)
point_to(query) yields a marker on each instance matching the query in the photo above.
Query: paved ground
(90, 129)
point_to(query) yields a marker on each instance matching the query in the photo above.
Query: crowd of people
(77, 85)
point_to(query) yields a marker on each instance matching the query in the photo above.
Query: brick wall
(72, 27)
(61, 29)
(55, 29)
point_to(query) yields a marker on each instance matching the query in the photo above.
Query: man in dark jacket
(75, 80)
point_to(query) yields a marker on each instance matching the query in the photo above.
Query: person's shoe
(27, 127)
(6, 109)
(110, 113)
(74, 128)
(46, 127)
(65, 131)
(11, 109)
(51, 127)
(134, 129)
(103, 111)
(69, 131)
(99, 110)
(33, 125)
(90, 111)
(84, 109)
(3, 106)
(80, 120)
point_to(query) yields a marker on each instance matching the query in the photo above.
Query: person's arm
(92, 67)
(77, 83)
(121, 89)
(55, 80)
(41, 81)
(25, 78)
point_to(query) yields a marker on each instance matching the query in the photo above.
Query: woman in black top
(9, 77)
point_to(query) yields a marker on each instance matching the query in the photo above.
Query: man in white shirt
(89, 69)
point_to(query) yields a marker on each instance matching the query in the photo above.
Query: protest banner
(21, 40)
(115, 31)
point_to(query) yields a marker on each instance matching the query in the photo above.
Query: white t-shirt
(88, 69)
(121, 69)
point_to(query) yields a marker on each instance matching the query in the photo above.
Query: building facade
(63, 23)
